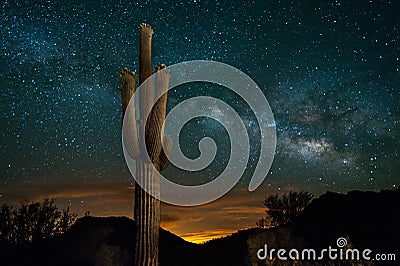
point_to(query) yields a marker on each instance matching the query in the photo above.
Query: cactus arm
(165, 153)
(154, 127)
(128, 88)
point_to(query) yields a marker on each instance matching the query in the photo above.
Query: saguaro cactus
(147, 207)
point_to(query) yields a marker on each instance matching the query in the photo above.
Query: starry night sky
(329, 69)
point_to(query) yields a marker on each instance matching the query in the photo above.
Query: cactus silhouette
(147, 207)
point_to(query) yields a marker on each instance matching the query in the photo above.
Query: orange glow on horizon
(204, 236)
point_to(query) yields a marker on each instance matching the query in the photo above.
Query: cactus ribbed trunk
(147, 207)
(147, 216)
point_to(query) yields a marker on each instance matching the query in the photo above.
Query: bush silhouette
(33, 221)
(284, 208)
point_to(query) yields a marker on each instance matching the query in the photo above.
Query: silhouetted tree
(6, 223)
(33, 221)
(284, 208)
(262, 223)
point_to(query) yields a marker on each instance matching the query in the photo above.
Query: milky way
(329, 69)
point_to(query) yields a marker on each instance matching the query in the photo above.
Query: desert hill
(366, 219)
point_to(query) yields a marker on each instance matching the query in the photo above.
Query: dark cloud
(168, 219)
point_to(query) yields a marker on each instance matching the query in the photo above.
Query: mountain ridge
(367, 219)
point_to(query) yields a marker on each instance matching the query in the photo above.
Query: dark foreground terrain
(366, 219)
